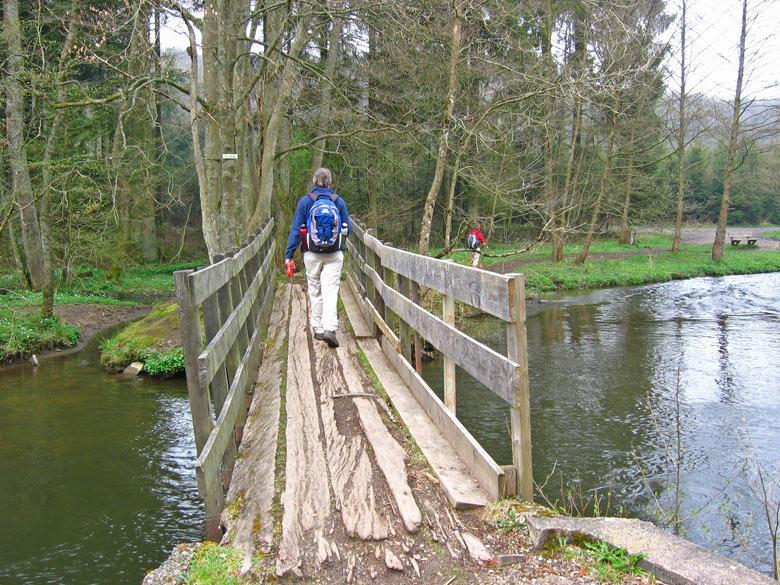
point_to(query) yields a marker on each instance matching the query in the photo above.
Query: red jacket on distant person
(477, 233)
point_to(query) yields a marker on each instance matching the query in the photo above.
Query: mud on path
(327, 487)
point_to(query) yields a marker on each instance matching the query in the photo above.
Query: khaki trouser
(475, 256)
(323, 275)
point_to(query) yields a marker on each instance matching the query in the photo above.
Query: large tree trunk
(561, 220)
(441, 158)
(47, 306)
(331, 60)
(681, 132)
(723, 215)
(33, 245)
(275, 120)
(140, 149)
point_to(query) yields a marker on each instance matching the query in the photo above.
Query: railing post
(405, 332)
(448, 315)
(199, 399)
(520, 411)
(372, 294)
(213, 321)
(390, 279)
(414, 296)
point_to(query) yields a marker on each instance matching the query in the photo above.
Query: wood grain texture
(389, 455)
(349, 465)
(252, 486)
(307, 492)
(489, 367)
(208, 280)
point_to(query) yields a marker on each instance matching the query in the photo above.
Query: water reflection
(604, 373)
(96, 474)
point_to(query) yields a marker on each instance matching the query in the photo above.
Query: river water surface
(603, 377)
(96, 473)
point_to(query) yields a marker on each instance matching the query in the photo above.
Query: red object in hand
(290, 264)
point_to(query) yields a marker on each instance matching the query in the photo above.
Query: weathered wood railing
(222, 356)
(386, 281)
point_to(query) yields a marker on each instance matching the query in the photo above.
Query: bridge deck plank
(307, 492)
(252, 485)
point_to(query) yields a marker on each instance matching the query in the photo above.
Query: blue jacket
(302, 212)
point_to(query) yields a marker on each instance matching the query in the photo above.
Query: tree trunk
(271, 135)
(47, 306)
(561, 221)
(625, 232)
(331, 60)
(681, 132)
(720, 231)
(33, 245)
(583, 255)
(549, 126)
(441, 158)
(451, 202)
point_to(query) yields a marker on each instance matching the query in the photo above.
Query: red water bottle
(304, 239)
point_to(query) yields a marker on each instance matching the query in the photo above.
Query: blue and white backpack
(323, 225)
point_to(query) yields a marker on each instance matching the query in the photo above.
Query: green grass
(214, 565)
(649, 261)
(495, 252)
(692, 261)
(612, 564)
(148, 341)
(92, 285)
(24, 333)
(773, 235)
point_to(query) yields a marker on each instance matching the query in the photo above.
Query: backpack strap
(334, 197)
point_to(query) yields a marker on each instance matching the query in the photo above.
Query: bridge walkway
(346, 493)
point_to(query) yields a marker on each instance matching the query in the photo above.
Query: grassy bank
(613, 264)
(154, 340)
(24, 332)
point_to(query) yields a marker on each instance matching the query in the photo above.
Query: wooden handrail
(370, 262)
(236, 295)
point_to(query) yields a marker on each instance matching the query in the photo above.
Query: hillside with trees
(555, 121)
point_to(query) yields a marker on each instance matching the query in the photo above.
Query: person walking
(475, 240)
(320, 226)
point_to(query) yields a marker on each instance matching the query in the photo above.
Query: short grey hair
(322, 177)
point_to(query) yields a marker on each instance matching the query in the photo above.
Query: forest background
(542, 120)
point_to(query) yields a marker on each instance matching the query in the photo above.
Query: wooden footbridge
(344, 463)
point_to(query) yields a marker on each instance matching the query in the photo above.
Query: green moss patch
(23, 333)
(214, 565)
(154, 340)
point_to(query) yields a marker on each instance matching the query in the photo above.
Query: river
(96, 473)
(603, 369)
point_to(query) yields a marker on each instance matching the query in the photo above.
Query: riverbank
(90, 302)
(650, 260)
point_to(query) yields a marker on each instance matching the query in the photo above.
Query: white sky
(712, 39)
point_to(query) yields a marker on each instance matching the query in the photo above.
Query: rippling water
(97, 480)
(603, 372)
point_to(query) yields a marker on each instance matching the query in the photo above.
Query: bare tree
(441, 158)
(723, 214)
(33, 245)
(681, 134)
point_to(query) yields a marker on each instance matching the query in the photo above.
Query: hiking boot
(319, 335)
(330, 338)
